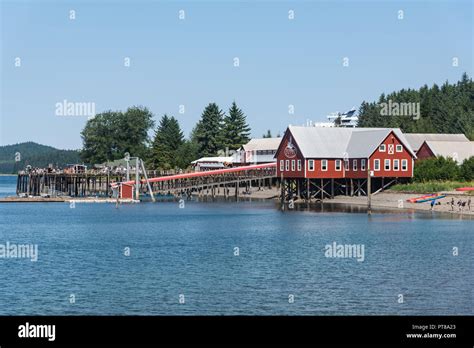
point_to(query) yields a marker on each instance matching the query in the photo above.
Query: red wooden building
(319, 162)
(457, 150)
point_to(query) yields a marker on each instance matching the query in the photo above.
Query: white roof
(262, 144)
(417, 139)
(317, 142)
(457, 150)
(214, 159)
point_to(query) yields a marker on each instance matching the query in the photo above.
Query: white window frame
(397, 166)
(338, 164)
(399, 146)
(382, 146)
(391, 149)
(404, 164)
(346, 164)
(324, 165)
(362, 164)
(354, 165)
(298, 165)
(293, 165)
(311, 165)
(385, 164)
(287, 165)
(282, 165)
(376, 165)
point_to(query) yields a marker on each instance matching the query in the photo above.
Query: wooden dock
(60, 184)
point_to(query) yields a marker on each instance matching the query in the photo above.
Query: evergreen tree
(236, 131)
(445, 109)
(268, 135)
(208, 131)
(166, 144)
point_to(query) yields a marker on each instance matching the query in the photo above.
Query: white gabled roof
(417, 139)
(318, 142)
(458, 150)
(262, 144)
(214, 159)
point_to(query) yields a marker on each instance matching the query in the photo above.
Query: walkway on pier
(197, 181)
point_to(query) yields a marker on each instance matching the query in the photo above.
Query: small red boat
(465, 189)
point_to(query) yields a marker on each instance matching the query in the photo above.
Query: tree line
(109, 135)
(443, 169)
(16, 157)
(445, 109)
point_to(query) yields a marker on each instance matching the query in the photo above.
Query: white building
(211, 163)
(257, 151)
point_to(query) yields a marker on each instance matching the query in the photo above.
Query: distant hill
(34, 154)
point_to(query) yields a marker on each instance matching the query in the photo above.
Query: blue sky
(190, 62)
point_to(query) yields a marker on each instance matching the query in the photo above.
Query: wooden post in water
(308, 197)
(237, 189)
(322, 190)
(282, 192)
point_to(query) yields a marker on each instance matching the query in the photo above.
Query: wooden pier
(60, 184)
(100, 185)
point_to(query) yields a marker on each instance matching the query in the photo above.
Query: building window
(293, 163)
(376, 164)
(387, 164)
(404, 165)
(287, 165)
(282, 165)
(390, 149)
(354, 165)
(338, 165)
(399, 148)
(311, 165)
(362, 164)
(382, 148)
(396, 164)
(324, 165)
(299, 165)
(346, 164)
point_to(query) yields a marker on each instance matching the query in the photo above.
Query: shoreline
(395, 201)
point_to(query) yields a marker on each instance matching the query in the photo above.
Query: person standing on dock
(433, 202)
(469, 203)
(452, 203)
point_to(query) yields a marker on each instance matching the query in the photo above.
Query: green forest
(448, 108)
(16, 157)
(109, 135)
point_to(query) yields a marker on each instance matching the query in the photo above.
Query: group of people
(35, 170)
(461, 204)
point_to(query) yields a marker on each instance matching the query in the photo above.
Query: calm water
(190, 251)
(7, 186)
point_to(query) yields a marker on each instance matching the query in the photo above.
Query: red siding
(424, 152)
(331, 171)
(358, 173)
(391, 139)
(287, 156)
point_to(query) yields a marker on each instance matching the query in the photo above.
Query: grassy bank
(431, 186)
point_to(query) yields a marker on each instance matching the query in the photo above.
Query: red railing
(206, 173)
